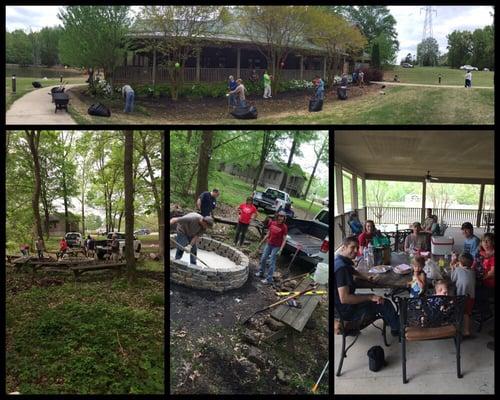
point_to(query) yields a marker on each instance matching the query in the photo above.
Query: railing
(144, 75)
(402, 215)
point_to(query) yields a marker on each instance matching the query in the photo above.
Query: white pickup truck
(103, 247)
(271, 199)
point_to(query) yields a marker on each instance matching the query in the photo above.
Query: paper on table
(402, 268)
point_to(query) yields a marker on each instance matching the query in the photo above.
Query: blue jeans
(386, 309)
(184, 240)
(232, 100)
(242, 103)
(268, 250)
(129, 102)
(320, 94)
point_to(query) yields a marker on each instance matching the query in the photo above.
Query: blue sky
(410, 21)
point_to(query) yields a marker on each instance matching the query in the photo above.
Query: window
(347, 186)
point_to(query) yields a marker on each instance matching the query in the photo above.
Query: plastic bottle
(370, 260)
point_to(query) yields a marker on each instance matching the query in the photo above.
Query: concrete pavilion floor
(430, 366)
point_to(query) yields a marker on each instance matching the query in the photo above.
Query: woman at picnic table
(416, 241)
(366, 237)
(484, 266)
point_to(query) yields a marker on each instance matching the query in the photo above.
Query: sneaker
(258, 274)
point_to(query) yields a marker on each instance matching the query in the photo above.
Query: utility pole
(427, 33)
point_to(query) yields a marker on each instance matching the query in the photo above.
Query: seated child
(465, 281)
(418, 283)
(439, 310)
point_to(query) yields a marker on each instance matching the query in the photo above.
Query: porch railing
(402, 215)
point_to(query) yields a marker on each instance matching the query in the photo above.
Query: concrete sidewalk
(428, 85)
(36, 108)
(430, 365)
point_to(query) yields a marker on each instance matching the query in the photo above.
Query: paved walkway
(428, 85)
(36, 107)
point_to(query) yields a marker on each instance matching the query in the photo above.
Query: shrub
(372, 74)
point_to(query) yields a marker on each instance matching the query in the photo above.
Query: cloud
(410, 24)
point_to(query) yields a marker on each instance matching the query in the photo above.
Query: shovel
(311, 286)
(183, 248)
(315, 387)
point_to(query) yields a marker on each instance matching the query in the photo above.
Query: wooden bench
(78, 269)
(295, 319)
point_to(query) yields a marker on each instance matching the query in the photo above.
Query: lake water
(40, 72)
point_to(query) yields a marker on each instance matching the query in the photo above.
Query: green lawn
(85, 338)
(23, 86)
(429, 75)
(403, 105)
(234, 191)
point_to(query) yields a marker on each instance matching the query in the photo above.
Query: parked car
(271, 199)
(103, 247)
(142, 231)
(74, 239)
(407, 65)
(468, 67)
(486, 69)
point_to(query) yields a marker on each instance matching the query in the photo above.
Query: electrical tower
(428, 21)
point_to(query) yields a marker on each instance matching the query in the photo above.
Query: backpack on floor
(100, 110)
(315, 105)
(376, 358)
(36, 84)
(245, 112)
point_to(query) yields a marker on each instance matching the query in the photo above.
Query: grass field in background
(23, 86)
(429, 75)
(404, 105)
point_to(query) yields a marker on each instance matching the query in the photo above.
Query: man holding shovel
(189, 228)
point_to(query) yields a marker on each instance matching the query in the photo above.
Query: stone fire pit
(228, 267)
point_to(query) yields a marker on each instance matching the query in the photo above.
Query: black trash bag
(249, 112)
(57, 89)
(315, 105)
(342, 93)
(36, 84)
(376, 358)
(99, 110)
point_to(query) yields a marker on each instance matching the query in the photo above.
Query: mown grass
(23, 86)
(429, 75)
(86, 338)
(404, 105)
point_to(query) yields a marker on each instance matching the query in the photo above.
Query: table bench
(295, 319)
(78, 270)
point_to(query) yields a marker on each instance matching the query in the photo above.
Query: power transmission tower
(428, 21)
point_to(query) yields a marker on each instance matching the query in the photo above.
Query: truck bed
(308, 234)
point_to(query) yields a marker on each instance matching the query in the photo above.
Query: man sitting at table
(350, 305)
(417, 241)
(471, 241)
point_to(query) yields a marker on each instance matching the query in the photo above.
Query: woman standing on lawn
(248, 212)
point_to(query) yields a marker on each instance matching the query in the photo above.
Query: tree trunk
(65, 200)
(45, 203)
(161, 217)
(318, 157)
(262, 161)
(205, 151)
(83, 199)
(129, 205)
(289, 163)
(120, 220)
(33, 141)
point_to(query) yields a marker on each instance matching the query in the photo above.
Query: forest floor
(197, 111)
(98, 335)
(211, 352)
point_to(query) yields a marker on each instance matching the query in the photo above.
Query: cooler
(441, 245)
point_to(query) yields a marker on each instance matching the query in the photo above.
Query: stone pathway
(36, 108)
(428, 85)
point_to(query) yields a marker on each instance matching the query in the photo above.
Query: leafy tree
(376, 55)
(483, 47)
(321, 155)
(428, 52)
(49, 45)
(181, 29)
(18, 48)
(459, 48)
(204, 155)
(128, 172)
(33, 138)
(94, 36)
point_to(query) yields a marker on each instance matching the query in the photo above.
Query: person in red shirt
(276, 239)
(63, 247)
(248, 212)
(367, 235)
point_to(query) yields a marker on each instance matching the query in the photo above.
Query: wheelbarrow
(61, 100)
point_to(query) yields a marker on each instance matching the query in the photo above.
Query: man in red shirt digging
(247, 213)
(276, 239)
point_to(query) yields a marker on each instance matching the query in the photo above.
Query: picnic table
(295, 319)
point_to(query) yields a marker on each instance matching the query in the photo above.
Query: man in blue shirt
(207, 202)
(351, 305)
(471, 242)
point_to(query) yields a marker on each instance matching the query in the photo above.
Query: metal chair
(431, 318)
(353, 328)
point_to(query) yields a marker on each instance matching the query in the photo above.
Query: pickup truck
(271, 199)
(311, 236)
(103, 247)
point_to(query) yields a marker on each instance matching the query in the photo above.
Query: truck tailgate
(310, 244)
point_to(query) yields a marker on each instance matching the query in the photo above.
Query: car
(407, 65)
(74, 239)
(468, 67)
(486, 69)
(142, 231)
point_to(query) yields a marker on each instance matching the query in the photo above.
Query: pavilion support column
(354, 191)
(301, 67)
(480, 211)
(339, 191)
(238, 63)
(198, 65)
(363, 189)
(154, 69)
(424, 188)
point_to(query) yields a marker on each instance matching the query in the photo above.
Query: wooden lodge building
(223, 54)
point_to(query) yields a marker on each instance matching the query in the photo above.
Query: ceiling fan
(429, 178)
